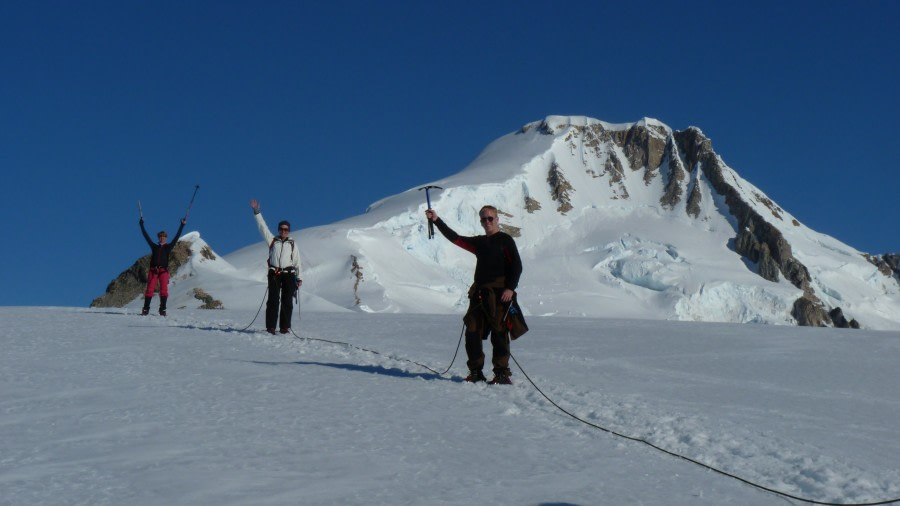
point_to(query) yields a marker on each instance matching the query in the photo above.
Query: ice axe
(186, 213)
(428, 199)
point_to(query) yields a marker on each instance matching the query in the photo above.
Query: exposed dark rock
(643, 149)
(697, 149)
(748, 245)
(888, 264)
(511, 230)
(131, 283)
(692, 208)
(676, 174)
(766, 201)
(559, 188)
(757, 239)
(613, 167)
(838, 319)
(545, 129)
(357, 272)
(532, 205)
(893, 260)
(768, 268)
(809, 312)
(208, 301)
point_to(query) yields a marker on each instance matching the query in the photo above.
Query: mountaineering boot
(271, 331)
(501, 377)
(146, 310)
(284, 330)
(162, 305)
(475, 376)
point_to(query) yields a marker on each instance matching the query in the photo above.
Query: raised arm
(261, 223)
(146, 237)
(178, 234)
(463, 242)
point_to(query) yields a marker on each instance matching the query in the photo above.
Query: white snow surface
(108, 407)
(618, 253)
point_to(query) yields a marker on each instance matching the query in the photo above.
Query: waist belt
(279, 271)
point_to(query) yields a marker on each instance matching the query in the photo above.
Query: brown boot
(501, 377)
(475, 376)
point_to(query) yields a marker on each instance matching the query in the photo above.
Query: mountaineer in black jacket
(492, 295)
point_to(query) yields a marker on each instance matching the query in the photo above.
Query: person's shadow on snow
(371, 369)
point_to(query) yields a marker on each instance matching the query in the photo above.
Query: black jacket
(497, 255)
(159, 255)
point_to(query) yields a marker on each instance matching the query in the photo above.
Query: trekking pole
(428, 200)
(186, 213)
(140, 210)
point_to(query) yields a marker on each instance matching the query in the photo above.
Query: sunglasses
(487, 219)
(284, 229)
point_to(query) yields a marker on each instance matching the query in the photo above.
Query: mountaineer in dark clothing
(492, 295)
(159, 267)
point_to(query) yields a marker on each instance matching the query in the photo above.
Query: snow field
(105, 407)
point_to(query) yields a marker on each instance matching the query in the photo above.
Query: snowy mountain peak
(627, 220)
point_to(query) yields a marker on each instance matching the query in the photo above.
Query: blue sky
(318, 109)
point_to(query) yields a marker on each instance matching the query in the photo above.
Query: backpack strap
(271, 245)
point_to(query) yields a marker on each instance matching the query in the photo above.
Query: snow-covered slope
(612, 220)
(108, 407)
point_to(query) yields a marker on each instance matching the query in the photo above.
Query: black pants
(483, 319)
(281, 291)
(499, 354)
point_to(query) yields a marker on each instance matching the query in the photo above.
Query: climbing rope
(693, 461)
(594, 425)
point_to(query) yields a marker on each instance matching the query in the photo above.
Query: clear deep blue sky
(318, 109)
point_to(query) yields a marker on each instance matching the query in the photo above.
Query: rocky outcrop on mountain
(839, 320)
(893, 260)
(888, 264)
(357, 271)
(758, 240)
(809, 312)
(559, 189)
(682, 159)
(676, 176)
(209, 302)
(131, 283)
(642, 148)
(757, 237)
(532, 205)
